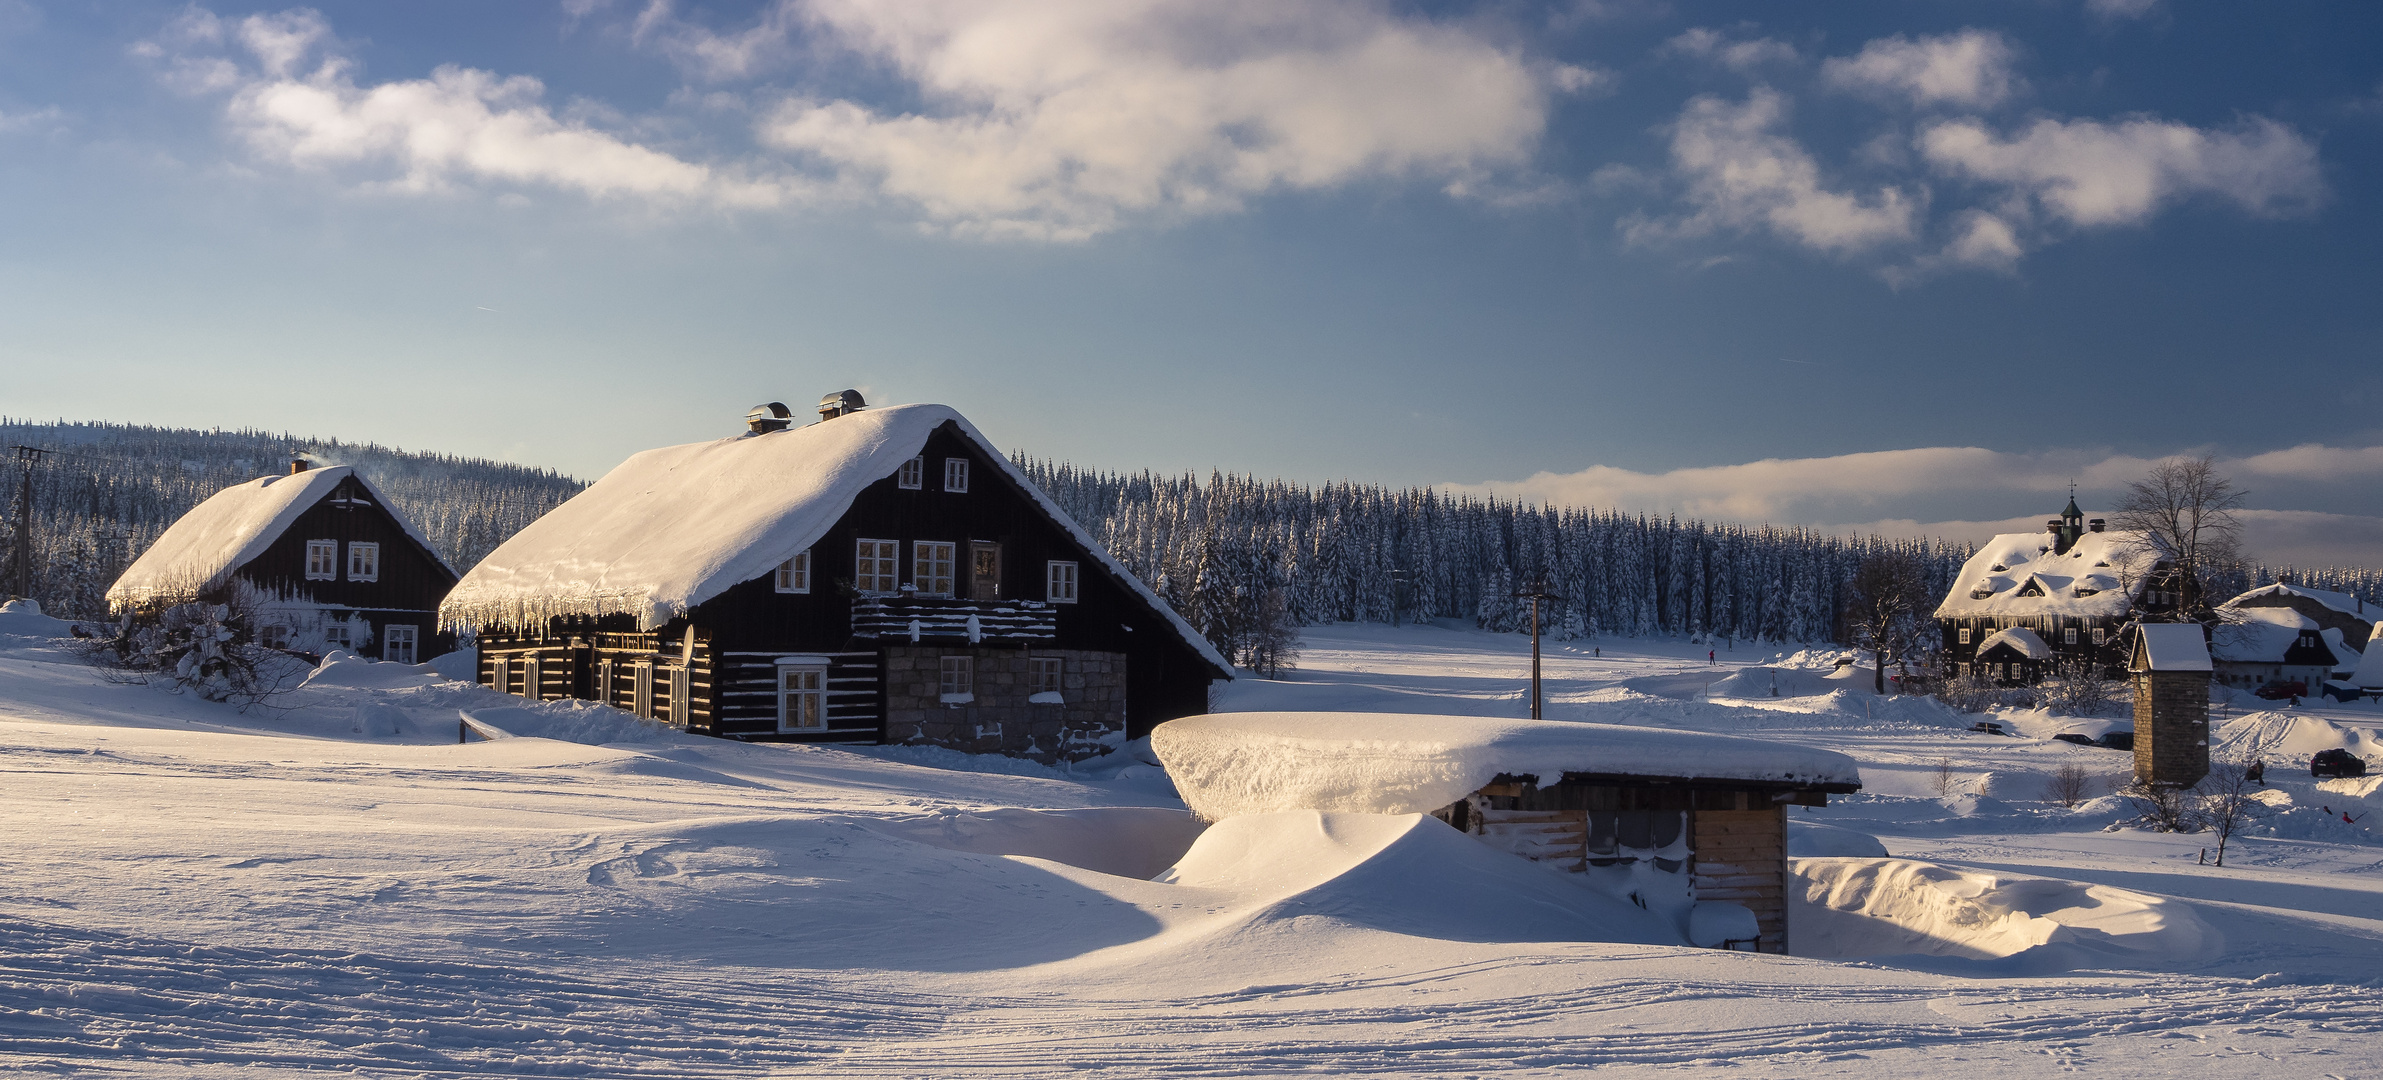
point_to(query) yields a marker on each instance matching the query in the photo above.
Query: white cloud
(1058, 118)
(1908, 492)
(1742, 174)
(457, 127)
(48, 117)
(2089, 173)
(1744, 56)
(1971, 69)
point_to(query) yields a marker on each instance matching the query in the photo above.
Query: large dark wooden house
(2029, 605)
(322, 559)
(881, 575)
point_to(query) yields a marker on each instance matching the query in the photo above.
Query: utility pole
(1400, 582)
(22, 553)
(1537, 593)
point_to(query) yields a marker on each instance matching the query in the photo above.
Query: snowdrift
(1230, 764)
(1127, 841)
(2271, 733)
(23, 618)
(1406, 874)
(1847, 908)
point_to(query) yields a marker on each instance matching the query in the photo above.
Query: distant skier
(1709, 657)
(1600, 651)
(2257, 773)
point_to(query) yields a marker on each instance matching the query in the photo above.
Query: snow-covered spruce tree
(201, 647)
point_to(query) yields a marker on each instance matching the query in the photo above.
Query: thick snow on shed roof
(671, 528)
(218, 536)
(2108, 566)
(1230, 764)
(2171, 647)
(2028, 642)
(2262, 635)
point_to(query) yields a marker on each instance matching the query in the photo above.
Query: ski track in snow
(191, 892)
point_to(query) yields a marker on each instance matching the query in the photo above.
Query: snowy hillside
(339, 885)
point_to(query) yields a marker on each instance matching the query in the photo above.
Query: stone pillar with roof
(2171, 676)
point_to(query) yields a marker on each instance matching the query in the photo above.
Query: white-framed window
(641, 694)
(500, 672)
(955, 474)
(682, 696)
(1043, 677)
(876, 566)
(1059, 581)
(364, 562)
(338, 635)
(958, 684)
(2100, 636)
(802, 699)
(932, 563)
(398, 643)
(322, 560)
(794, 575)
(1964, 635)
(913, 475)
(2068, 636)
(533, 678)
(604, 682)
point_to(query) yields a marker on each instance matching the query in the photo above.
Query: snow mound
(1812, 840)
(1756, 682)
(348, 670)
(1231, 764)
(1126, 841)
(1404, 873)
(23, 618)
(2271, 733)
(1847, 908)
(462, 665)
(569, 721)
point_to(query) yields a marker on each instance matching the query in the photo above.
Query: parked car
(2278, 691)
(2073, 737)
(2117, 740)
(2341, 691)
(2336, 762)
(1989, 727)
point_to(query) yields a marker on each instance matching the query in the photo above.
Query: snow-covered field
(190, 891)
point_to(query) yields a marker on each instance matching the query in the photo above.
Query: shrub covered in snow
(209, 649)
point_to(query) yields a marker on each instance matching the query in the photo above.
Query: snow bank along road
(187, 891)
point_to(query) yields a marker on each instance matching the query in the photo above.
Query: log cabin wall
(1736, 838)
(1741, 857)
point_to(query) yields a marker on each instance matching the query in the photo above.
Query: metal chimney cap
(768, 417)
(840, 403)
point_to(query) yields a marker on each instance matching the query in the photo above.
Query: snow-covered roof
(2108, 566)
(2171, 647)
(2261, 635)
(671, 528)
(1230, 764)
(218, 536)
(2028, 642)
(2341, 602)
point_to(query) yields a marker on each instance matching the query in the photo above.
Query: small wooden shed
(1671, 820)
(2171, 673)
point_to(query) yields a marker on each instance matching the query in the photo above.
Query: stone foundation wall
(1000, 720)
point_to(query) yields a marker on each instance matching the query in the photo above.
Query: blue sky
(1902, 265)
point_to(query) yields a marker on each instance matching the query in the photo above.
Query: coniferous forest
(1232, 553)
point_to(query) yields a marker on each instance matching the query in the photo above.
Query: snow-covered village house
(2028, 604)
(2285, 634)
(1687, 827)
(321, 557)
(880, 575)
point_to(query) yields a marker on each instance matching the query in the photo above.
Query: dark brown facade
(387, 606)
(1015, 667)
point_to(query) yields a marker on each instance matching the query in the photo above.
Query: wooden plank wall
(1741, 857)
(748, 697)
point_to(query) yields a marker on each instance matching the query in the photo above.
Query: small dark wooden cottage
(319, 554)
(881, 575)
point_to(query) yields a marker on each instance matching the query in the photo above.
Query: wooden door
(984, 576)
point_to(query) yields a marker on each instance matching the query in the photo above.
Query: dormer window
(2032, 588)
(2083, 591)
(1998, 568)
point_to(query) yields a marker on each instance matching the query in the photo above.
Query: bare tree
(2080, 689)
(2185, 513)
(2226, 801)
(2070, 785)
(2165, 807)
(1887, 589)
(1944, 777)
(1273, 642)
